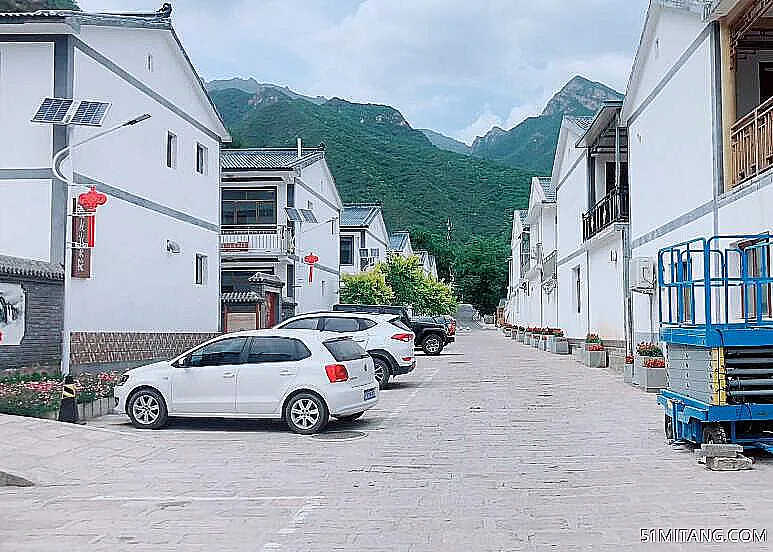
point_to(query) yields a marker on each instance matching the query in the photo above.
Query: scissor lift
(714, 300)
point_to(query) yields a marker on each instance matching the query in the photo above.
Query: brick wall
(40, 348)
(93, 348)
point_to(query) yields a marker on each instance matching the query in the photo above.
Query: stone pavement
(493, 446)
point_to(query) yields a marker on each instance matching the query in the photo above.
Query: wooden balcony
(751, 143)
(612, 208)
(252, 240)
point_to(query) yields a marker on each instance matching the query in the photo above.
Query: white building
(153, 283)
(540, 301)
(428, 263)
(698, 110)
(364, 237)
(518, 264)
(590, 173)
(400, 244)
(279, 206)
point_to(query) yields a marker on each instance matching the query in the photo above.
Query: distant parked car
(383, 336)
(431, 335)
(300, 377)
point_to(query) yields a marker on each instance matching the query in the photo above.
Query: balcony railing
(254, 240)
(751, 143)
(612, 208)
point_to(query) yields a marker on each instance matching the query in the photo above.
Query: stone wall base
(127, 348)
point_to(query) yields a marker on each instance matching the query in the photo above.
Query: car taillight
(336, 373)
(406, 337)
(452, 329)
(407, 359)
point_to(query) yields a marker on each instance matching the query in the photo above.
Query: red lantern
(311, 259)
(90, 201)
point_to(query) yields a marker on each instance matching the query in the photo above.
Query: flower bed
(39, 394)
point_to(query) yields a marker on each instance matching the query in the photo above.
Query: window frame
(171, 148)
(202, 159)
(186, 359)
(229, 208)
(341, 249)
(201, 269)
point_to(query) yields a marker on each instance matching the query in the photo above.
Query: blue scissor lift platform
(714, 301)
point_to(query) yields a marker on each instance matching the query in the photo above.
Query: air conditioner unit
(642, 275)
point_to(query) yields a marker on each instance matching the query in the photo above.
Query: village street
(491, 446)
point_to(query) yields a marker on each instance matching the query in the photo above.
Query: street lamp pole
(69, 180)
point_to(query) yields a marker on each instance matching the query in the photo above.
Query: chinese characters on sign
(83, 231)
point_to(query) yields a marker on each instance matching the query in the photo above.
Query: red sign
(236, 246)
(311, 259)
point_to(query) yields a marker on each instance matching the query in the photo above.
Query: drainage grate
(339, 435)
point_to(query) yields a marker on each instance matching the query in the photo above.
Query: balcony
(549, 267)
(751, 143)
(612, 208)
(251, 241)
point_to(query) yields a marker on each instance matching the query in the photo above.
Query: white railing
(236, 240)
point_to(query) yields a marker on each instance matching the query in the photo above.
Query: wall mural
(12, 306)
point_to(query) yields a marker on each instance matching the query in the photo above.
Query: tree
(368, 288)
(435, 298)
(437, 244)
(405, 277)
(481, 273)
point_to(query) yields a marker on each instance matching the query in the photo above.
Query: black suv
(431, 335)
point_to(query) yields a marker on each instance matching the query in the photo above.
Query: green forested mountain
(375, 155)
(532, 144)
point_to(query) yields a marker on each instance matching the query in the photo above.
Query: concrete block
(720, 463)
(720, 450)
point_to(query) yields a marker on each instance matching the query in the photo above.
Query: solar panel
(293, 214)
(308, 215)
(53, 110)
(90, 113)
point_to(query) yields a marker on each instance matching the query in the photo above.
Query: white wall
(322, 239)
(607, 313)
(26, 77)
(136, 285)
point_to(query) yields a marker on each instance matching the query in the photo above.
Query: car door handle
(286, 373)
(229, 374)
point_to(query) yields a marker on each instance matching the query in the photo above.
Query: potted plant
(595, 355)
(557, 343)
(644, 351)
(628, 369)
(652, 377)
(521, 334)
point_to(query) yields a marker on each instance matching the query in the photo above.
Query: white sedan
(303, 377)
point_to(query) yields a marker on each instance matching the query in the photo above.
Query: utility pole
(449, 229)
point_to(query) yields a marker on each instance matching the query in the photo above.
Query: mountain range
(421, 177)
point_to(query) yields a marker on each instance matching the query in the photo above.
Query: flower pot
(520, 337)
(595, 359)
(558, 345)
(628, 373)
(652, 380)
(638, 367)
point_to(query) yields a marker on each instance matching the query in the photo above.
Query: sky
(459, 67)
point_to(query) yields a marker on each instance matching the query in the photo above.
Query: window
(323, 285)
(201, 269)
(365, 324)
(247, 207)
(577, 291)
(149, 63)
(341, 325)
(171, 150)
(345, 349)
(225, 351)
(347, 250)
(276, 349)
(610, 175)
(291, 280)
(291, 194)
(302, 324)
(201, 159)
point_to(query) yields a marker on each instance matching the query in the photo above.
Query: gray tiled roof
(398, 241)
(267, 158)
(360, 214)
(547, 186)
(583, 122)
(150, 19)
(14, 266)
(241, 297)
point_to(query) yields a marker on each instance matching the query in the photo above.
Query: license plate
(369, 394)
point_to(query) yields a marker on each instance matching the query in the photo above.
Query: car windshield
(345, 349)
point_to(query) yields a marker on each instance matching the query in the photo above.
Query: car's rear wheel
(351, 417)
(147, 409)
(381, 371)
(432, 345)
(306, 413)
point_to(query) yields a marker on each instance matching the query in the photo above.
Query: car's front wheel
(147, 409)
(432, 344)
(306, 413)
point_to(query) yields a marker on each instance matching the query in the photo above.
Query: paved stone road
(493, 446)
